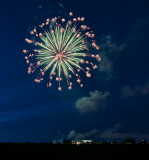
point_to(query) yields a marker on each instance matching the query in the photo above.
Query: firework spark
(62, 51)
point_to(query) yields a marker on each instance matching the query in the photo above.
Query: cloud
(133, 62)
(115, 134)
(79, 136)
(109, 45)
(40, 6)
(128, 91)
(107, 134)
(112, 133)
(61, 5)
(106, 67)
(114, 55)
(91, 103)
(109, 52)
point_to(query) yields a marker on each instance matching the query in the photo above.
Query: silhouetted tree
(144, 141)
(66, 141)
(130, 141)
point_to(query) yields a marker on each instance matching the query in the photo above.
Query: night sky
(114, 102)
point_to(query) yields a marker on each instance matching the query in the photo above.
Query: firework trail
(62, 51)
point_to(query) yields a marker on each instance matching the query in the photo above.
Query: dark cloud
(131, 91)
(106, 67)
(133, 62)
(40, 6)
(80, 136)
(61, 5)
(113, 133)
(109, 51)
(108, 44)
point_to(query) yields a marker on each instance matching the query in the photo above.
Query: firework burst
(62, 51)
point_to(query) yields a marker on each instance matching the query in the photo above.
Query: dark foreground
(73, 152)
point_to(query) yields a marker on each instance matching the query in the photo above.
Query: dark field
(30, 151)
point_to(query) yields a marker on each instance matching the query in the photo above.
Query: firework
(62, 49)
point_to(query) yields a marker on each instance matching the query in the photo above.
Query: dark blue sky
(114, 103)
